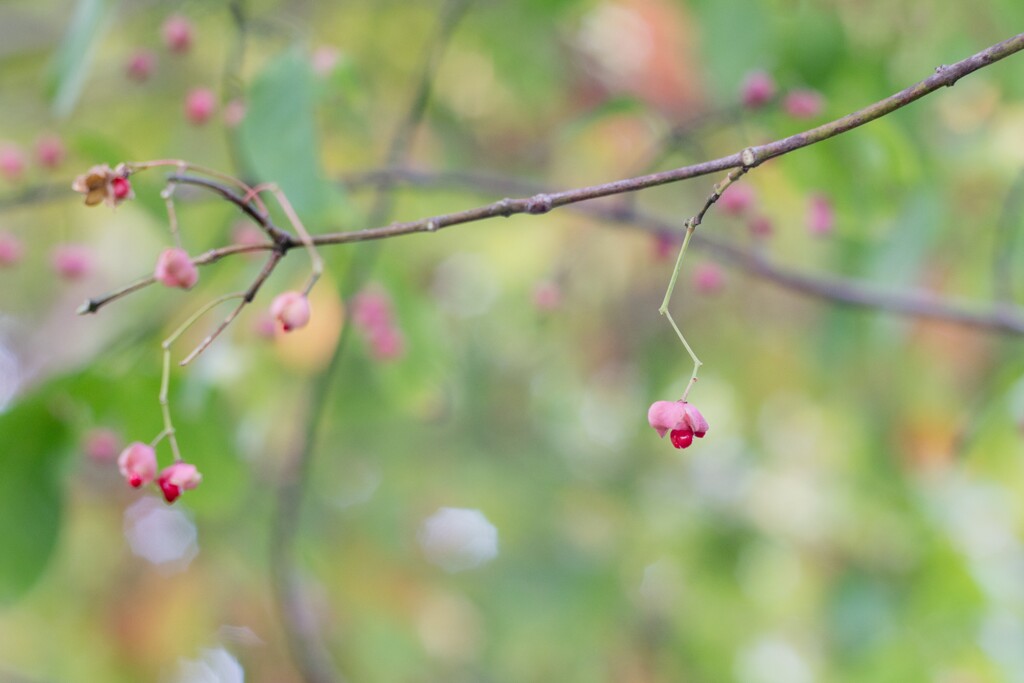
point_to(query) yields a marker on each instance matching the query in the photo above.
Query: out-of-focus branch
(1007, 230)
(304, 639)
(1004, 318)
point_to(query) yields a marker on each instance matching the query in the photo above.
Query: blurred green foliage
(853, 514)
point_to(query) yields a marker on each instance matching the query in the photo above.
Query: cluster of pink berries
(200, 103)
(372, 314)
(739, 199)
(138, 466)
(758, 89)
(49, 155)
(679, 419)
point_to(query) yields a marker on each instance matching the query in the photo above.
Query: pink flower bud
(137, 463)
(10, 249)
(50, 151)
(140, 65)
(12, 161)
(199, 106)
(761, 226)
(71, 261)
(103, 184)
(102, 445)
(178, 477)
(736, 199)
(821, 217)
(681, 419)
(291, 310)
(708, 278)
(177, 34)
(804, 104)
(174, 268)
(758, 89)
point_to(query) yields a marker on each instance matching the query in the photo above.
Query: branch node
(748, 157)
(431, 225)
(539, 203)
(88, 306)
(505, 207)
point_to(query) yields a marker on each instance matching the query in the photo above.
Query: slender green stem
(165, 378)
(663, 309)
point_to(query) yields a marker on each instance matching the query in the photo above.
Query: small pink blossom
(547, 296)
(140, 65)
(200, 104)
(50, 151)
(761, 226)
(708, 278)
(12, 161)
(804, 104)
(137, 463)
(102, 444)
(681, 420)
(179, 477)
(757, 90)
(177, 34)
(821, 217)
(11, 250)
(291, 310)
(72, 261)
(736, 199)
(174, 268)
(234, 113)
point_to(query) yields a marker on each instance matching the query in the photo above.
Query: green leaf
(279, 136)
(30, 497)
(71, 64)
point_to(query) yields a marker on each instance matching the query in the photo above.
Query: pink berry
(137, 463)
(547, 296)
(804, 104)
(102, 444)
(177, 478)
(12, 161)
(761, 226)
(291, 310)
(821, 216)
(736, 199)
(177, 34)
(199, 106)
(371, 309)
(174, 268)
(680, 418)
(324, 59)
(72, 261)
(386, 343)
(140, 65)
(50, 151)
(234, 113)
(666, 246)
(708, 278)
(121, 188)
(758, 89)
(10, 249)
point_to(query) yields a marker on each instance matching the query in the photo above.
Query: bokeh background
(853, 514)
